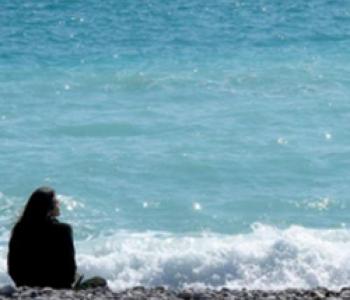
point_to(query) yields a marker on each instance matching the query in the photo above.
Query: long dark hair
(39, 204)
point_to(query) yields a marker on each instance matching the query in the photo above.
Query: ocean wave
(265, 258)
(98, 130)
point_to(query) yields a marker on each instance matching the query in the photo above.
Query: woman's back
(41, 253)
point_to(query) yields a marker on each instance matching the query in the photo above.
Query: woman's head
(41, 205)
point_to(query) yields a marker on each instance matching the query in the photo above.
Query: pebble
(185, 295)
(7, 291)
(162, 293)
(345, 294)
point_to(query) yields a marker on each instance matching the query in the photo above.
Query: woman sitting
(41, 249)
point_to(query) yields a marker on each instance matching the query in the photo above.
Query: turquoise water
(190, 143)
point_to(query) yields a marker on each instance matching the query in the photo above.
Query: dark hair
(40, 203)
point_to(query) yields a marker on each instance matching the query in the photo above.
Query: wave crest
(266, 258)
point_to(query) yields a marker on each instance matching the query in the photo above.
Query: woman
(41, 249)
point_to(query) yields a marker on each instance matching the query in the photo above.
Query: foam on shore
(266, 258)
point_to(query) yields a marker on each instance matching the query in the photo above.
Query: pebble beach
(162, 293)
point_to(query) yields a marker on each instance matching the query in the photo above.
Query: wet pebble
(162, 293)
(345, 294)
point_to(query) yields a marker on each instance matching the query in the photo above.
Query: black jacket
(42, 254)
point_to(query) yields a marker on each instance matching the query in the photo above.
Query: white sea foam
(282, 141)
(69, 202)
(266, 258)
(320, 204)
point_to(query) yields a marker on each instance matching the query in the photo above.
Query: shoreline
(162, 293)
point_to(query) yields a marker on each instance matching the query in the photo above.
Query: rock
(185, 295)
(345, 294)
(29, 293)
(127, 298)
(197, 296)
(162, 293)
(160, 289)
(7, 291)
(68, 294)
(318, 294)
(47, 290)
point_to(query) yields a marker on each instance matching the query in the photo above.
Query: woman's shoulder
(62, 227)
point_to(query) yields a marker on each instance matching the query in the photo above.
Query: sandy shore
(140, 293)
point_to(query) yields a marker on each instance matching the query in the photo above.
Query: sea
(191, 143)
